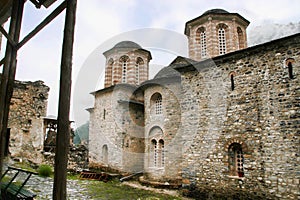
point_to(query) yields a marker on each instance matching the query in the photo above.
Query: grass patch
(45, 170)
(117, 191)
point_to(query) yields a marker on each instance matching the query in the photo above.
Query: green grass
(45, 170)
(117, 191)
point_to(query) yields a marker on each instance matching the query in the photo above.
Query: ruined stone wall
(27, 109)
(165, 126)
(261, 114)
(116, 130)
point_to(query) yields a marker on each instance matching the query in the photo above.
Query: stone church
(225, 120)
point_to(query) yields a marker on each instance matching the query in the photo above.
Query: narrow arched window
(105, 154)
(289, 63)
(232, 81)
(236, 160)
(161, 154)
(154, 150)
(138, 66)
(201, 38)
(222, 38)
(124, 61)
(158, 105)
(241, 41)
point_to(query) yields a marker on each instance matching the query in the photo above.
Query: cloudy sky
(100, 24)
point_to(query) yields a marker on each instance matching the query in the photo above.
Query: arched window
(161, 154)
(109, 72)
(201, 38)
(232, 74)
(124, 61)
(138, 66)
(156, 104)
(236, 160)
(154, 152)
(241, 41)
(105, 154)
(289, 63)
(222, 38)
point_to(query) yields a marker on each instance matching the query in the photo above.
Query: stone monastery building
(225, 120)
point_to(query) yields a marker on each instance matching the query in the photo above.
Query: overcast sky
(99, 21)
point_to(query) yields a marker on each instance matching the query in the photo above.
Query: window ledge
(236, 177)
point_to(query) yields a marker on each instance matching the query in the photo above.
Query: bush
(45, 170)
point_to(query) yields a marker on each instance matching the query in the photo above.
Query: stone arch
(246, 150)
(156, 132)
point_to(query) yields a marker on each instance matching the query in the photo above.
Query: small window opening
(232, 82)
(104, 113)
(290, 68)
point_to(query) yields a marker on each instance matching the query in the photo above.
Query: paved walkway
(76, 189)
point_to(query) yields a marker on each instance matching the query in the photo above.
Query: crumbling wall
(27, 108)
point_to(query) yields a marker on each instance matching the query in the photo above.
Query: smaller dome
(127, 44)
(216, 11)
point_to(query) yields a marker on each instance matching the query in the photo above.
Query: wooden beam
(9, 71)
(46, 21)
(10, 40)
(63, 126)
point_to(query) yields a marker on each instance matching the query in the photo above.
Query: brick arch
(155, 132)
(243, 144)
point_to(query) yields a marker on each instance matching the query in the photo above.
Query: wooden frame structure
(9, 63)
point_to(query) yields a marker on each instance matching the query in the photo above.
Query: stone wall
(261, 113)
(116, 129)
(27, 108)
(165, 126)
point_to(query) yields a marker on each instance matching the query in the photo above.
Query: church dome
(215, 11)
(127, 44)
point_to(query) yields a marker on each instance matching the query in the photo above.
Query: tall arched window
(161, 154)
(124, 60)
(232, 74)
(241, 41)
(154, 152)
(109, 72)
(138, 66)
(105, 154)
(222, 38)
(289, 63)
(156, 104)
(201, 38)
(236, 160)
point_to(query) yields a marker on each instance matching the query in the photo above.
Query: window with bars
(138, 66)
(203, 43)
(158, 105)
(236, 160)
(222, 41)
(124, 60)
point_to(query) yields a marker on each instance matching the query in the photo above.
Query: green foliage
(45, 170)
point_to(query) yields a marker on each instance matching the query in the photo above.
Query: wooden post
(63, 126)
(9, 71)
